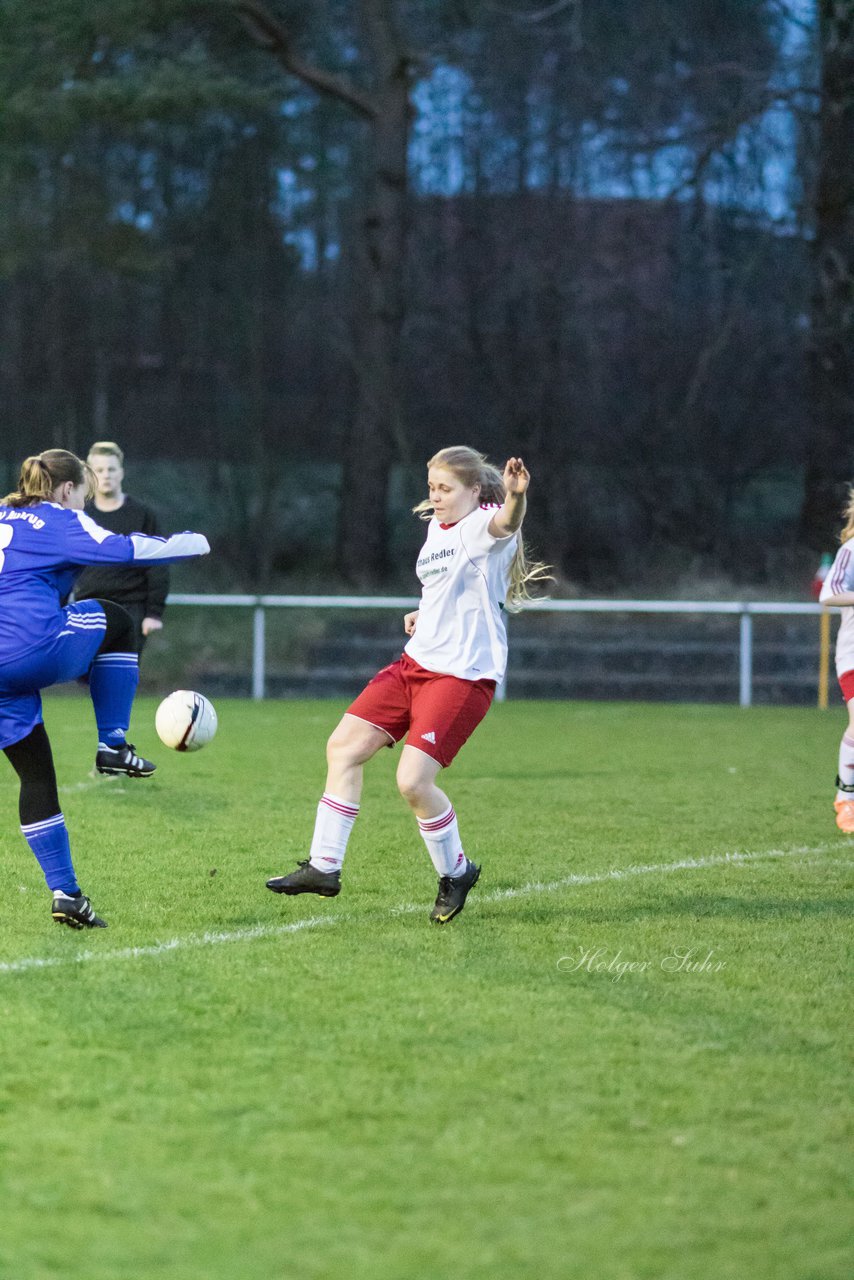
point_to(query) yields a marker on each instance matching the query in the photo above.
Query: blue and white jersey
(42, 550)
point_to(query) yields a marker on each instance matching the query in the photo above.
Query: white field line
(654, 868)
(736, 858)
(171, 944)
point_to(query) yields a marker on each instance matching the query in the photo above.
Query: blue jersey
(42, 550)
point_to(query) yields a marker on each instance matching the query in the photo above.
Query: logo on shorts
(429, 737)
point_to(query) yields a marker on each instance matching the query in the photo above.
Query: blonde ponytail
(523, 572)
(848, 512)
(42, 473)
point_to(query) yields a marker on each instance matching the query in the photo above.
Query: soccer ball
(185, 721)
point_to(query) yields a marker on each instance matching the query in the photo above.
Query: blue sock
(113, 678)
(49, 842)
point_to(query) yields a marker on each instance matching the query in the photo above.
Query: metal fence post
(258, 653)
(745, 660)
(501, 688)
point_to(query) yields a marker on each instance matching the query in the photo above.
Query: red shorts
(440, 712)
(846, 684)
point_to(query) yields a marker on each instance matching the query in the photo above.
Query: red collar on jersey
(484, 506)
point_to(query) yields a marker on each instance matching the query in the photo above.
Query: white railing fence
(744, 610)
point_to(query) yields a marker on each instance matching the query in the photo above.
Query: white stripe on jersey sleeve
(94, 530)
(180, 546)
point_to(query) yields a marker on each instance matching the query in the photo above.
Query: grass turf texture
(373, 1096)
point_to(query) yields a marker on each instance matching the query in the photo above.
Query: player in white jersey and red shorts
(838, 589)
(471, 567)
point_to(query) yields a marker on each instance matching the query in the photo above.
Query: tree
(374, 434)
(215, 198)
(830, 456)
(111, 129)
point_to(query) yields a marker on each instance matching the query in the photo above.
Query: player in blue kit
(45, 540)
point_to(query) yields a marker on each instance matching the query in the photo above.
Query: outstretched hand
(508, 519)
(516, 476)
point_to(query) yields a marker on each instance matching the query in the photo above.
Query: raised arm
(178, 546)
(85, 542)
(508, 519)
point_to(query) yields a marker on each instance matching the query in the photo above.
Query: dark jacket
(133, 584)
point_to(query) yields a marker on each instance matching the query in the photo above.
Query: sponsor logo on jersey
(429, 737)
(446, 554)
(14, 514)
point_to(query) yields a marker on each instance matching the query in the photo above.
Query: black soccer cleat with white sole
(75, 911)
(124, 760)
(453, 892)
(307, 879)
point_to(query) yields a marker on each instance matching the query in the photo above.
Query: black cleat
(124, 760)
(307, 879)
(453, 893)
(76, 912)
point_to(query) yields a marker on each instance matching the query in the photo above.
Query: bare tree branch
(550, 11)
(269, 34)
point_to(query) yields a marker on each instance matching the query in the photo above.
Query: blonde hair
(43, 473)
(848, 512)
(108, 448)
(472, 468)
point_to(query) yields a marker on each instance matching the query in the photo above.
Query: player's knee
(120, 635)
(411, 784)
(344, 746)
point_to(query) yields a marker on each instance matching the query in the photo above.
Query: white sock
(846, 766)
(442, 838)
(332, 827)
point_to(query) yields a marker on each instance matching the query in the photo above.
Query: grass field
(230, 1084)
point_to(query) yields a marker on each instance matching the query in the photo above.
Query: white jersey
(464, 574)
(840, 578)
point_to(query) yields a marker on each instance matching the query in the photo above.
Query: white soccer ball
(185, 721)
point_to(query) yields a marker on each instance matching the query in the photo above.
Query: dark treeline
(617, 239)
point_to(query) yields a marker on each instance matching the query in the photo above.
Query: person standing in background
(141, 591)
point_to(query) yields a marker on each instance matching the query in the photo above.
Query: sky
(755, 174)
